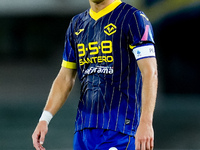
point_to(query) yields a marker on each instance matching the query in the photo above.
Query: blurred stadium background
(31, 46)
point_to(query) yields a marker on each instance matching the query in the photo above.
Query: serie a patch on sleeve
(145, 51)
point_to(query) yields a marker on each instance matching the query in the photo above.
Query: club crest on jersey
(110, 29)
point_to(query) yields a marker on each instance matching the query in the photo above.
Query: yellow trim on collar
(105, 11)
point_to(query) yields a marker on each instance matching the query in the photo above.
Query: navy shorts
(101, 139)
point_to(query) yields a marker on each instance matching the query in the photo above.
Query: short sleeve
(69, 57)
(141, 36)
(140, 29)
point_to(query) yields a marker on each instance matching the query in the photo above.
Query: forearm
(57, 96)
(59, 92)
(149, 93)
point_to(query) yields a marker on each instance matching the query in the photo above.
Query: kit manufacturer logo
(79, 31)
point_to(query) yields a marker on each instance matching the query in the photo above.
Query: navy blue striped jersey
(104, 48)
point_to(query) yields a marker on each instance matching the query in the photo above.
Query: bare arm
(60, 90)
(145, 135)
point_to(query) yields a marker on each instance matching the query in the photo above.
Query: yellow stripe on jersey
(69, 65)
(131, 46)
(105, 11)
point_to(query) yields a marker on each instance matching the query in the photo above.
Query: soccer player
(111, 48)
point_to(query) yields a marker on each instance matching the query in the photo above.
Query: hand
(39, 135)
(144, 138)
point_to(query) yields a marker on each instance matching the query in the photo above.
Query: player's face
(97, 1)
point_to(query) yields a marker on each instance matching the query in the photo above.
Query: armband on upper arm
(144, 51)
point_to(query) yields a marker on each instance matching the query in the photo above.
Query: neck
(98, 6)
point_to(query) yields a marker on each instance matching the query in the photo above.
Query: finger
(137, 144)
(42, 148)
(35, 138)
(143, 145)
(37, 146)
(148, 144)
(152, 144)
(42, 138)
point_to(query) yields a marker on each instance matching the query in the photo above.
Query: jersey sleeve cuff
(69, 65)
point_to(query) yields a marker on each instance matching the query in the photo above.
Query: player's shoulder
(132, 11)
(128, 8)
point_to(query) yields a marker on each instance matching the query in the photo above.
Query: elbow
(150, 73)
(64, 84)
(70, 84)
(155, 73)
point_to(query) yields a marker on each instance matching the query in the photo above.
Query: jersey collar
(104, 11)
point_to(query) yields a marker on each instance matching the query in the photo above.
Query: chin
(97, 1)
